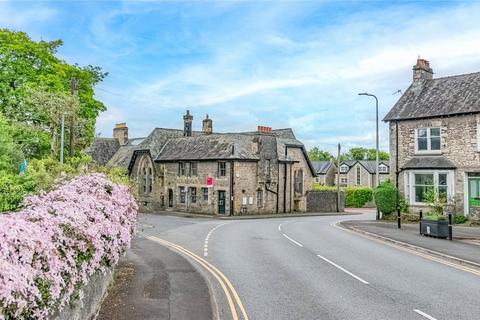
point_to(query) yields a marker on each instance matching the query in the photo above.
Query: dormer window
(428, 139)
(343, 168)
(382, 168)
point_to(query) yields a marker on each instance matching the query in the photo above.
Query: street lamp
(377, 176)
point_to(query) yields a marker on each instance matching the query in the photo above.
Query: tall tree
(360, 153)
(315, 154)
(28, 66)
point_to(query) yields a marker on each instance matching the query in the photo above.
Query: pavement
(152, 282)
(465, 245)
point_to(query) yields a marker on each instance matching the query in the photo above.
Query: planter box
(438, 229)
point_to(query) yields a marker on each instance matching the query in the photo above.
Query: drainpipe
(285, 187)
(232, 183)
(397, 172)
(275, 193)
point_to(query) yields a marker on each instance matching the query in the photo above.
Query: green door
(221, 202)
(473, 193)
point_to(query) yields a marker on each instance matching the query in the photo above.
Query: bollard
(420, 222)
(450, 229)
(399, 222)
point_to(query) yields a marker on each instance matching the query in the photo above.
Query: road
(307, 268)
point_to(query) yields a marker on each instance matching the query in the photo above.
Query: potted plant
(434, 223)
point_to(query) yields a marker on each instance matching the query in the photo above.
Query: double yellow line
(226, 285)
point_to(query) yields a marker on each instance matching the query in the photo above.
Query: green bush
(459, 219)
(385, 196)
(318, 187)
(357, 197)
(434, 217)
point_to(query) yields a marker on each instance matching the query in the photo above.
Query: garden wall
(324, 201)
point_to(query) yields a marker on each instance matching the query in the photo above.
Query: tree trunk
(72, 136)
(53, 142)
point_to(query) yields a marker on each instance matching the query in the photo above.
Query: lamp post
(377, 176)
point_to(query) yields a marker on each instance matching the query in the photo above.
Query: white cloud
(308, 80)
(21, 19)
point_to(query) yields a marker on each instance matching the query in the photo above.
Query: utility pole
(62, 138)
(338, 178)
(73, 91)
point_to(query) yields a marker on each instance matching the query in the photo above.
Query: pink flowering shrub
(50, 248)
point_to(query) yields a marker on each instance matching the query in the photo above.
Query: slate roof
(321, 167)
(103, 149)
(429, 162)
(438, 97)
(371, 165)
(122, 157)
(209, 147)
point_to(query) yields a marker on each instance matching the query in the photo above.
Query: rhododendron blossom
(52, 247)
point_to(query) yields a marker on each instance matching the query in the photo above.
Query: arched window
(146, 176)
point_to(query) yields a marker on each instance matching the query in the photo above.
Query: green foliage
(385, 196)
(434, 217)
(357, 197)
(11, 155)
(360, 153)
(29, 68)
(316, 154)
(13, 188)
(459, 219)
(318, 187)
(436, 202)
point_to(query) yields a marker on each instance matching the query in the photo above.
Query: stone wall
(458, 144)
(324, 201)
(93, 293)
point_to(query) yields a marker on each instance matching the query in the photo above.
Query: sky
(272, 63)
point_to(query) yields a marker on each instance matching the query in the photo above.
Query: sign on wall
(209, 182)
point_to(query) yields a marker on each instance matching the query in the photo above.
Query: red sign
(210, 181)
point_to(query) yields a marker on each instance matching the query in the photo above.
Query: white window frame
(344, 181)
(410, 184)
(429, 141)
(382, 168)
(344, 168)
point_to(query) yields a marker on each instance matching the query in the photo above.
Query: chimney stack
(207, 125)
(263, 129)
(120, 132)
(422, 70)
(187, 124)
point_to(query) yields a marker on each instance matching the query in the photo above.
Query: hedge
(357, 197)
(51, 248)
(385, 196)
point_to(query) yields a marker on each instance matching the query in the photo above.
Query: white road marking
(296, 242)
(205, 245)
(343, 269)
(429, 317)
(280, 227)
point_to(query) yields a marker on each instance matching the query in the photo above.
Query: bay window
(419, 183)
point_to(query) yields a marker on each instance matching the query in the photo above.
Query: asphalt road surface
(307, 268)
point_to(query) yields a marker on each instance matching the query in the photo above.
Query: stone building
(362, 173)
(326, 171)
(435, 139)
(262, 172)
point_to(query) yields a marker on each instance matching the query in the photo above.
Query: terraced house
(435, 139)
(362, 173)
(262, 172)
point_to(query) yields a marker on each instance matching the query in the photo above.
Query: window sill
(428, 153)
